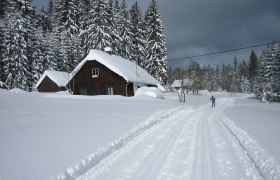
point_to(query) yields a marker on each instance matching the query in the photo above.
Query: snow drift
(149, 91)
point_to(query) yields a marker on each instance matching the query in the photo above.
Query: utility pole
(136, 62)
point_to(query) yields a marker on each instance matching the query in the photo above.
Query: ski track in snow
(190, 143)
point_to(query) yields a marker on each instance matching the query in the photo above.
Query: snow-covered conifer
(210, 81)
(97, 34)
(155, 48)
(39, 55)
(252, 69)
(3, 11)
(3, 8)
(245, 85)
(125, 43)
(50, 16)
(267, 82)
(65, 13)
(138, 35)
(19, 32)
(235, 76)
(49, 62)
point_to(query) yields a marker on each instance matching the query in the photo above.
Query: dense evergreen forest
(61, 35)
(259, 75)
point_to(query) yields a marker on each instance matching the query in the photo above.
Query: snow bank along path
(185, 143)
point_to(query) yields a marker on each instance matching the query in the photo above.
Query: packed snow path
(193, 143)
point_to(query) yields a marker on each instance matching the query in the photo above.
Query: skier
(213, 101)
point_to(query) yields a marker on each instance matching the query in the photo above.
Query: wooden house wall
(47, 85)
(84, 83)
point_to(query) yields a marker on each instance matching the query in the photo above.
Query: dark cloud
(200, 26)
(196, 27)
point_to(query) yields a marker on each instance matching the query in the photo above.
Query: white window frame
(110, 91)
(95, 72)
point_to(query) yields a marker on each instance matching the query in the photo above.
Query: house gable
(52, 81)
(47, 85)
(102, 83)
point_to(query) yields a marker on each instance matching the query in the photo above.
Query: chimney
(108, 50)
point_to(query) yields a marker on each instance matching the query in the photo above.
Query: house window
(110, 91)
(95, 72)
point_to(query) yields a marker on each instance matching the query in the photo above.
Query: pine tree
(236, 78)
(218, 78)
(65, 53)
(138, 40)
(39, 55)
(194, 76)
(50, 17)
(45, 42)
(245, 85)
(84, 13)
(243, 69)
(19, 32)
(271, 72)
(9, 65)
(125, 33)
(155, 48)
(67, 30)
(117, 20)
(66, 19)
(252, 69)
(210, 79)
(229, 79)
(259, 78)
(2, 46)
(3, 8)
(97, 34)
(43, 20)
(85, 8)
(3, 11)
(267, 83)
(224, 81)
(112, 26)
(31, 40)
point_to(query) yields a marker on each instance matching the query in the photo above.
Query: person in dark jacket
(213, 99)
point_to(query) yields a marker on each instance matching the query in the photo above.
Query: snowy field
(42, 135)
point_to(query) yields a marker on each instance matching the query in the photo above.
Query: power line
(220, 52)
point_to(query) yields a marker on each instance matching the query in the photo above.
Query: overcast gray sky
(196, 27)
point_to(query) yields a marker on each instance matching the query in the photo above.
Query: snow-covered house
(52, 81)
(101, 73)
(179, 84)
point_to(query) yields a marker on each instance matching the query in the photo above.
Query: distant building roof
(58, 77)
(119, 65)
(178, 83)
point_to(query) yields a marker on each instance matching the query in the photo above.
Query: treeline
(63, 33)
(261, 75)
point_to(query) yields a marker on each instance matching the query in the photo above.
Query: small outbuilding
(52, 81)
(102, 73)
(182, 84)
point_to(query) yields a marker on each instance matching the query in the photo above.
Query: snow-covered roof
(178, 83)
(119, 65)
(58, 77)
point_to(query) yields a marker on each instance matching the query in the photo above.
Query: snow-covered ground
(42, 135)
(260, 120)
